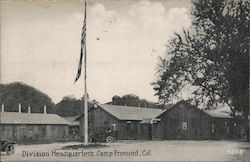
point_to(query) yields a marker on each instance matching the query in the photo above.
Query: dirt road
(136, 151)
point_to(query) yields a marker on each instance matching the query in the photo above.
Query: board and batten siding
(157, 131)
(184, 121)
(21, 132)
(99, 119)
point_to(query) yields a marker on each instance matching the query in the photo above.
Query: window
(184, 125)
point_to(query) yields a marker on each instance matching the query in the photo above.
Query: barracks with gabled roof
(29, 126)
(131, 122)
(184, 121)
(181, 121)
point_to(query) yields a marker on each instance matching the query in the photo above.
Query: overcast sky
(40, 45)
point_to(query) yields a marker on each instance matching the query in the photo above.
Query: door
(41, 131)
(22, 132)
(145, 132)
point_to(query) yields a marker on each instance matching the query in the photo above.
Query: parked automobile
(104, 134)
(7, 146)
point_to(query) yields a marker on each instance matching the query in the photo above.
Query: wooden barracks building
(184, 121)
(181, 121)
(29, 126)
(132, 122)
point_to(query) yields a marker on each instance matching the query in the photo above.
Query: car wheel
(10, 149)
(90, 140)
(109, 139)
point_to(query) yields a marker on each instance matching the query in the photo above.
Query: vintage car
(7, 146)
(104, 134)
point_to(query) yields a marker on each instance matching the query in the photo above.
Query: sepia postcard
(124, 80)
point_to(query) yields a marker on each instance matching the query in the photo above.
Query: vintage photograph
(124, 80)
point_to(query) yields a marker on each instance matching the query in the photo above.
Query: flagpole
(85, 84)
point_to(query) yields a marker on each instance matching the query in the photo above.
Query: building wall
(19, 132)
(100, 119)
(145, 131)
(128, 130)
(228, 128)
(184, 122)
(157, 131)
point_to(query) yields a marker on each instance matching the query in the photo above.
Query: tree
(69, 97)
(212, 56)
(14, 93)
(68, 106)
(132, 100)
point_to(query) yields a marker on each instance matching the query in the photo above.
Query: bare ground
(136, 151)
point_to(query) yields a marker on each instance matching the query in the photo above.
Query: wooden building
(20, 126)
(186, 122)
(131, 122)
(74, 127)
(181, 121)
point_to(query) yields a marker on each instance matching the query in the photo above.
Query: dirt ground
(136, 151)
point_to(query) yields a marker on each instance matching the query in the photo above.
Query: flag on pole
(83, 45)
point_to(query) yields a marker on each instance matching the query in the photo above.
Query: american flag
(83, 47)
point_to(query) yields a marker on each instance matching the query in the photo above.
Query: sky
(40, 45)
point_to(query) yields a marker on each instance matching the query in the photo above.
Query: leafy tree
(14, 93)
(132, 100)
(69, 97)
(117, 100)
(70, 106)
(212, 56)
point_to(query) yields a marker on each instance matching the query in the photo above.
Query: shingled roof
(31, 118)
(131, 113)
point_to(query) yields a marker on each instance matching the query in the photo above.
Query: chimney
(19, 108)
(44, 109)
(29, 111)
(2, 108)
